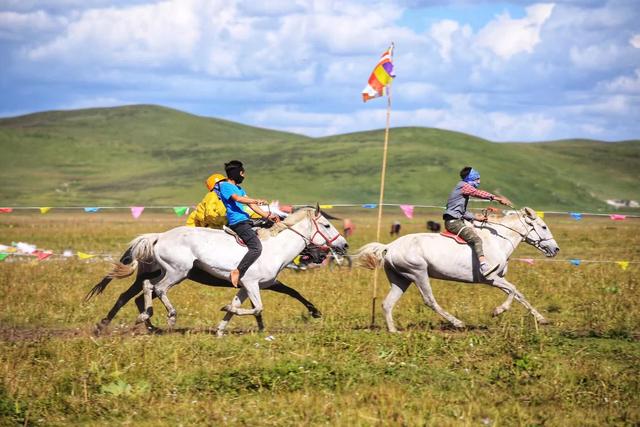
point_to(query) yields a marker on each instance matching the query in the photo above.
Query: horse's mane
(294, 218)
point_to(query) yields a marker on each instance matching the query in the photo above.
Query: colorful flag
(381, 77)
(3, 256)
(576, 215)
(181, 210)
(91, 210)
(623, 264)
(408, 210)
(617, 217)
(326, 206)
(136, 211)
(575, 261)
(540, 214)
(44, 210)
(6, 210)
(370, 206)
(529, 261)
(83, 255)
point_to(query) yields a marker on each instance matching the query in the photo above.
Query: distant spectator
(395, 228)
(348, 227)
(433, 226)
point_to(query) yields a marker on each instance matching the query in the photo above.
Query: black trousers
(250, 238)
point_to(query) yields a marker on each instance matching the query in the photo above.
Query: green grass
(155, 155)
(580, 370)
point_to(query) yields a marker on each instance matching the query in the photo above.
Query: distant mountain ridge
(145, 154)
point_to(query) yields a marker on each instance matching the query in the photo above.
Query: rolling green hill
(152, 155)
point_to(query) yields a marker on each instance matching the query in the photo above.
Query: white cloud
(635, 41)
(442, 32)
(19, 26)
(506, 37)
(624, 84)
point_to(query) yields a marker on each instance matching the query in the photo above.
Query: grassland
(583, 369)
(148, 155)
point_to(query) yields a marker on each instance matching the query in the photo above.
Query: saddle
(232, 233)
(455, 237)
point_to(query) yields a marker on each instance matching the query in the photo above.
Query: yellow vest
(211, 213)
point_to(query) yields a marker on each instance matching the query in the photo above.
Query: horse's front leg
(237, 301)
(280, 287)
(512, 291)
(506, 305)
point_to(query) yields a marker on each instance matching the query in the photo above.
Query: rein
(524, 236)
(309, 241)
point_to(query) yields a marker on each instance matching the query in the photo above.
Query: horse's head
(318, 232)
(537, 233)
(324, 230)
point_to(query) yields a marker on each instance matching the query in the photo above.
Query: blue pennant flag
(575, 261)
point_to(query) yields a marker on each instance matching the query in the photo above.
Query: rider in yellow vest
(210, 212)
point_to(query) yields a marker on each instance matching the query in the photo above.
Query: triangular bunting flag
(540, 214)
(326, 206)
(136, 211)
(181, 210)
(527, 260)
(3, 256)
(44, 210)
(623, 264)
(83, 255)
(91, 210)
(42, 254)
(6, 210)
(575, 261)
(370, 206)
(576, 215)
(408, 210)
(617, 217)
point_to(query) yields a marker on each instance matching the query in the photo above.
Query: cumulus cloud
(635, 41)
(506, 36)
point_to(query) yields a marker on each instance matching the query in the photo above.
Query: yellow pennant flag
(83, 255)
(44, 210)
(326, 206)
(540, 214)
(623, 264)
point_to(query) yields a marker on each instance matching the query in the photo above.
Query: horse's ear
(317, 209)
(530, 212)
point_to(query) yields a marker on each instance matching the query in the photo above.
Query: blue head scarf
(472, 177)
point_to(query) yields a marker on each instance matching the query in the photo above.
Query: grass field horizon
(142, 154)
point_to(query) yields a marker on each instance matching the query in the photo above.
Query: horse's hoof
(315, 314)
(498, 311)
(543, 321)
(458, 325)
(142, 318)
(98, 328)
(220, 333)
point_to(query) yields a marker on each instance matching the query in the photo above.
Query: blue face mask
(473, 178)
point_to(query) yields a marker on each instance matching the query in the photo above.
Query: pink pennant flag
(6, 210)
(42, 254)
(617, 217)
(527, 260)
(408, 210)
(136, 211)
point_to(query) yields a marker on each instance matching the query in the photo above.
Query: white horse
(179, 250)
(416, 257)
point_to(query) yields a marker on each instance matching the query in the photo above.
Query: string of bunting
(406, 209)
(40, 255)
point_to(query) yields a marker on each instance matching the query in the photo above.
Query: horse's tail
(125, 259)
(370, 255)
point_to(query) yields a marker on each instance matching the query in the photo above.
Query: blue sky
(502, 70)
